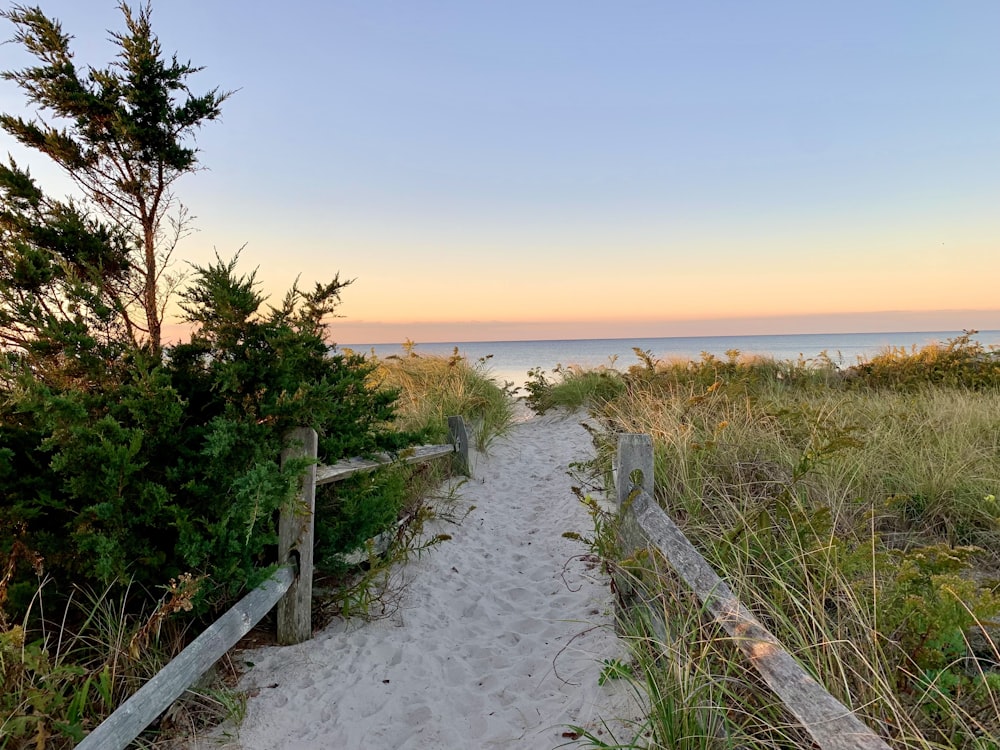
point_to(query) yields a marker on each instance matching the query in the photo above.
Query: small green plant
(614, 669)
(370, 588)
(930, 605)
(576, 388)
(602, 540)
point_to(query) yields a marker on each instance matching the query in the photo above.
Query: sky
(535, 169)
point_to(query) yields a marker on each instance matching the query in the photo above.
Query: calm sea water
(511, 360)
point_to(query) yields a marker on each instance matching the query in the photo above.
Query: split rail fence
(289, 588)
(831, 724)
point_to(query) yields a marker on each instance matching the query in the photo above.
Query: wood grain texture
(296, 540)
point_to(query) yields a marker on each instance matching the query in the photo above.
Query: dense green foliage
(162, 468)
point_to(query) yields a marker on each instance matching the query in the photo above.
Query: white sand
(497, 641)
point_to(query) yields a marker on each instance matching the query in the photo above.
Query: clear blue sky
(533, 169)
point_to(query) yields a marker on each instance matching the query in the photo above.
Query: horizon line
(371, 333)
(353, 345)
(380, 333)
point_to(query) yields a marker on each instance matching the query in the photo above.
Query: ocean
(510, 360)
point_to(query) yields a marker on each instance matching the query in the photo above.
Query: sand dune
(496, 642)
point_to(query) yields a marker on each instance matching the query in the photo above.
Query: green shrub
(575, 388)
(959, 362)
(164, 469)
(356, 510)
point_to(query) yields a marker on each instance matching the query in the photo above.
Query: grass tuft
(432, 388)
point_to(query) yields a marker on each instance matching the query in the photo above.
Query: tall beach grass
(853, 512)
(431, 388)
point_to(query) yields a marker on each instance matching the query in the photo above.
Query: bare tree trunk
(149, 297)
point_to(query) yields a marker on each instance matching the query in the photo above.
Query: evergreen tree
(63, 278)
(123, 135)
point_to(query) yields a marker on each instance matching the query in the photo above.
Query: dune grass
(854, 512)
(573, 388)
(432, 388)
(62, 671)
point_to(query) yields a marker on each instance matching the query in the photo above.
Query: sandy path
(497, 641)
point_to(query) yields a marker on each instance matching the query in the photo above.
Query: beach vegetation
(853, 511)
(162, 471)
(141, 480)
(431, 388)
(961, 362)
(571, 387)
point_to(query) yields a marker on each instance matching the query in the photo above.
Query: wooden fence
(290, 588)
(831, 724)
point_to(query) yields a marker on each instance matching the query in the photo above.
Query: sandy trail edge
(497, 642)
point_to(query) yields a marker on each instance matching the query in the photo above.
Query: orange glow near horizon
(362, 333)
(480, 285)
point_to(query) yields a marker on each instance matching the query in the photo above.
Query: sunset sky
(558, 169)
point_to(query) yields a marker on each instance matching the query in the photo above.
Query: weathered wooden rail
(831, 724)
(167, 685)
(289, 588)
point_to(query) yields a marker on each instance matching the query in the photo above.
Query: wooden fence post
(460, 439)
(635, 452)
(295, 542)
